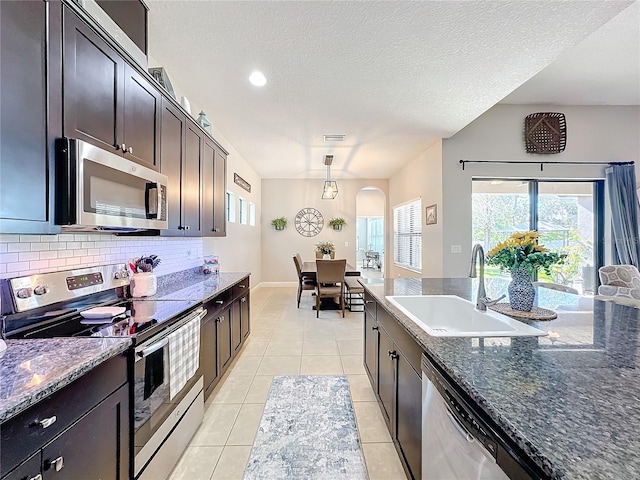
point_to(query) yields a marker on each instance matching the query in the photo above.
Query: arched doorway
(370, 231)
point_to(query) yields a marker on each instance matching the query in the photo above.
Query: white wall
(370, 203)
(420, 178)
(286, 197)
(594, 134)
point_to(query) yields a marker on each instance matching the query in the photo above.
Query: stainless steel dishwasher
(457, 443)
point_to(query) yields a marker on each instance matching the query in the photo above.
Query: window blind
(407, 235)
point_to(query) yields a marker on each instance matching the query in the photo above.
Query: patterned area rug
(308, 431)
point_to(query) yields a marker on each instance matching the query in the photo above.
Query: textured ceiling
(392, 76)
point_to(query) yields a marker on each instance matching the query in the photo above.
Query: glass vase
(521, 290)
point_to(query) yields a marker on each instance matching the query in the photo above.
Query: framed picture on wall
(432, 214)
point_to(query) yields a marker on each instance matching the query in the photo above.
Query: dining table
(309, 270)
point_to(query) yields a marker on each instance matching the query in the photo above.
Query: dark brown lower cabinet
(236, 326)
(396, 383)
(93, 447)
(209, 352)
(223, 338)
(28, 470)
(245, 316)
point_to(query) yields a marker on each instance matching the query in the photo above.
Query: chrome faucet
(482, 300)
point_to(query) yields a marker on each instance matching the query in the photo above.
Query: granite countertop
(31, 370)
(570, 400)
(193, 285)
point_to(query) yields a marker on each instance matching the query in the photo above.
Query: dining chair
(304, 283)
(330, 281)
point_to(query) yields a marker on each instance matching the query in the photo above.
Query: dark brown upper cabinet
(28, 121)
(106, 102)
(181, 151)
(214, 178)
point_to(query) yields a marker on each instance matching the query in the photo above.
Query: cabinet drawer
(370, 304)
(23, 435)
(241, 288)
(28, 470)
(217, 303)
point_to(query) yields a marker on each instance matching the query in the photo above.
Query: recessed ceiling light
(258, 79)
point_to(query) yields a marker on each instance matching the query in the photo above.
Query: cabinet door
(409, 415)
(236, 326)
(386, 377)
(245, 316)
(28, 470)
(208, 353)
(171, 153)
(25, 148)
(142, 109)
(371, 349)
(97, 446)
(219, 194)
(191, 181)
(223, 337)
(93, 86)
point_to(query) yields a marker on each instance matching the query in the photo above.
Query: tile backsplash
(28, 254)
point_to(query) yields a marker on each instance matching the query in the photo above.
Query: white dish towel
(184, 355)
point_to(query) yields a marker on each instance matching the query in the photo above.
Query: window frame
(410, 230)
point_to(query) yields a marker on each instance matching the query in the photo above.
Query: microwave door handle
(151, 199)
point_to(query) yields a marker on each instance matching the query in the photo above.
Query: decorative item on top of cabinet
(160, 75)
(203, 122)
(118, 111)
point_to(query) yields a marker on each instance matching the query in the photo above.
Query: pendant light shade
(330, 189)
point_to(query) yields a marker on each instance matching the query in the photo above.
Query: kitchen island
(569, 400)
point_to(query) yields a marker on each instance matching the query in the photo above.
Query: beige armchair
(330, 281)
(619, 281)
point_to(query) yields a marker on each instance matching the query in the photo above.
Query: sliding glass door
(568, 216)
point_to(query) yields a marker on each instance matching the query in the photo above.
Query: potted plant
(325, 250)
(337, 223)
(522, 256)
(279, 223)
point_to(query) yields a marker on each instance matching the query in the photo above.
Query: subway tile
(73, 245)
(48, 255)
(29, 238)
(80, 253)
(88, 245)
(15, 267)
(65, 237)
(48, 238)
(73, 261)
(58, 246)
(9, 257)
(80, 237)
(37, 264)
(65, 254)
(58, 262)
(39, 247)
(93, 251)
(18, 247)
(3, 247)
(5, 238)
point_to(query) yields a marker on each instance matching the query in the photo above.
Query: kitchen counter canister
(569, 400)
(31, 370)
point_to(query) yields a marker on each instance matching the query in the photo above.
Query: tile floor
(285, 340)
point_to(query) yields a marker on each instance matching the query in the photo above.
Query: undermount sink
(452, 316)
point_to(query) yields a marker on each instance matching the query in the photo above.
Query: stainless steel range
(166, 381)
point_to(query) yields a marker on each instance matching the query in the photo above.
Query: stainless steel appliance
(458, 441)
(167, 399)
(98, 190)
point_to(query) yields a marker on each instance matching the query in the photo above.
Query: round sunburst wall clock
(309, 222)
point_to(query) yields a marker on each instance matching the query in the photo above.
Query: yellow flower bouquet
(521, 250)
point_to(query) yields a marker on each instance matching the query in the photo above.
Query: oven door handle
(153, 348)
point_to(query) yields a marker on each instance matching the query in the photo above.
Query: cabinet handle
(216, 229)
(130, 149)
(37, 477)
(47, 422)
(183, 227)
(242, 286)
(219, 302)
(187, 227)
(123, 147)
(243, 300)
(58, 463)
(116, 146)
(374, 328)
(393, 355)
(368, 301)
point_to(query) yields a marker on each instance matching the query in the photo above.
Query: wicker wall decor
(545, 132)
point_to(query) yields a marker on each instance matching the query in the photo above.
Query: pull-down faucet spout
(482, 300)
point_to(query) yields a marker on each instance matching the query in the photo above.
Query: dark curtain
(621, 183)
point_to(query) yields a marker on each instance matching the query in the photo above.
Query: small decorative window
(231, 207)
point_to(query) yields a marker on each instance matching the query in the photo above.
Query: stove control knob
(41, 289)
(24, 293)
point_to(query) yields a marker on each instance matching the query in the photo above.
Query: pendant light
(330, 189)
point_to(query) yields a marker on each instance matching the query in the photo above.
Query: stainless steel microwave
(98, 190)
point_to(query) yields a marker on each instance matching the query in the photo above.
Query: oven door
(166, 369)
(100, 190)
